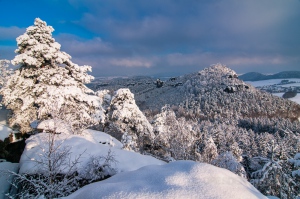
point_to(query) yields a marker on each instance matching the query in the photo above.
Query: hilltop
(214, 91)
(254, 76)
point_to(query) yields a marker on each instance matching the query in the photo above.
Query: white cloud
(10, 33)
(131, 62)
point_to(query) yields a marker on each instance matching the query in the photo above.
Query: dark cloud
(179, 34)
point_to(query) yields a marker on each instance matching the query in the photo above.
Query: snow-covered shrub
(207, 151)
(296, 163)
(228, 161)
(272, 180)
(99, 168)
(174, 137)
(47, 77)
(296, 172)
(129, 142)
(55, 173)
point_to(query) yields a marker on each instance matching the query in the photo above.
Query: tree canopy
(47, 82)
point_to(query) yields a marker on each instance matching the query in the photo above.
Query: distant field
(272, 82)
(277, 81)
(294, 99)
(294, 85)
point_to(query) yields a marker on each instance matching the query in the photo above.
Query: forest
(210, 116)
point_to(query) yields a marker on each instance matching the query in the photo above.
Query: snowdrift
(180, 179)
(89, 143)
(6, 179)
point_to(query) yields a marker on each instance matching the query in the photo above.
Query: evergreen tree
(4, 72)
(228, 161)
(209, 151)
(125, 116)
(48, 80)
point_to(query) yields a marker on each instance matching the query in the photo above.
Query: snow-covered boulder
(4, 132)
(54, 125)
(89, 144)
(180, 179)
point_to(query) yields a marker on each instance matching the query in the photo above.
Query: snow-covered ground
(271, 82)
(179, 179)
(292, 85)
(294, 99)
(277, 81)
(89, 144)
(4, 179)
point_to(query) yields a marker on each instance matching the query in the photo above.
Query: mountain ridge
(216, 90)
(255, 76)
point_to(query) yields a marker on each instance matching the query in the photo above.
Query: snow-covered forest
(65, 137)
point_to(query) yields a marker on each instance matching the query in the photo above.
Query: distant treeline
(254, 76)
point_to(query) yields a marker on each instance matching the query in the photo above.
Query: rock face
(14, 151)
(11, 151)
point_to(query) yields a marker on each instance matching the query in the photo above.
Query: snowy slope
(180, 179)
(89, 143)
(4, 180)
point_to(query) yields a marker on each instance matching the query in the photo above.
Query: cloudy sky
(163, 37)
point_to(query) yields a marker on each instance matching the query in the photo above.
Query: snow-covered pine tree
(4, 71)
(271, 179)
(174, 137)
(228, 161)
(296, 172)
(47, 78)
(209, 150)
(125, 116)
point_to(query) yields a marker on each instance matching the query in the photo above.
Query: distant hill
(215, 92)
(254, 76)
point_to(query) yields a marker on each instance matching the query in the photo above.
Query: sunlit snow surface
(179, 179)
(89, 143)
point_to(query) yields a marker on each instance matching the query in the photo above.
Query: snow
(292, 85)
(296, 163)
(56, 125)
(179, 179)
(4, 180)
(271, 82)
(294, 99)
(59, 83)
(4, 132)
(89, 144)
(277, 81)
